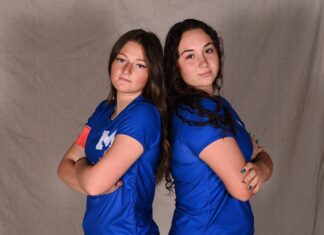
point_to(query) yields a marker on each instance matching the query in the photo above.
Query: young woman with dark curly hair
(215, 164)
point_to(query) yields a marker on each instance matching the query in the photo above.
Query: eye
(140, 66)
(209, 50)
(120, 60)
(189, 56)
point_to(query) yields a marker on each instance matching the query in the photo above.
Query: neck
(208, 89)
(122, 101)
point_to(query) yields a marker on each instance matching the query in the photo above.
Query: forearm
(68, 174)
(96, 180)
(265, 164)
(86, 177)
(103, 175)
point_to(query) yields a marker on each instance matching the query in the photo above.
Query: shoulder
(142, 122)
(189, 122)
(102, 108)
(144, 110)
(225, 102)
(230, 108)
(141, 115)
(190, 114)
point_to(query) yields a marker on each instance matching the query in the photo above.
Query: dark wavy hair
(155, 89)
(183, 96)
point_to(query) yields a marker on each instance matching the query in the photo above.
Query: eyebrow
(190, 50)
(120, 53)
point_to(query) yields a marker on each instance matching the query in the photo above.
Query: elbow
(241, 194)
(91, 188)
(91, 182)
(64, 171)
(91, 191)
(95, 190)
(59, 172)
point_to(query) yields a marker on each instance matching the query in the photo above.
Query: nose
(127, 68)
(203, 61)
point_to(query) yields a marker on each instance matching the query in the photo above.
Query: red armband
(82, 138)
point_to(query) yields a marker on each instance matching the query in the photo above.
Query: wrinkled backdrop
(53, 72)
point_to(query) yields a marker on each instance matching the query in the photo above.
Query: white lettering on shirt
(106, 140)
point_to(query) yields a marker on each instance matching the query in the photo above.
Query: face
(198, 60)
(129, 71)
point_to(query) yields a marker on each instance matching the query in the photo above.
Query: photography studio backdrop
(53, 73)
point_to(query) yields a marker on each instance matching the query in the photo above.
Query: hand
(256, 147)
(253, 177)
(114, 187)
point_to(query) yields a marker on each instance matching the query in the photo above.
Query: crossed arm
(103, 177)
(241, 179)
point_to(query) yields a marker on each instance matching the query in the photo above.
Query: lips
(205, 74)
(125, 79)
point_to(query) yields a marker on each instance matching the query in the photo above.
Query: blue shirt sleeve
(234, 114)
(143, 124)
(199, 137)
(100, 109)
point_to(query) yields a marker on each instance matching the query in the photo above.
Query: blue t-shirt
(203, 204)
(128, 210)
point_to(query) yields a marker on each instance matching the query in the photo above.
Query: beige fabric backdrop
(53, 72)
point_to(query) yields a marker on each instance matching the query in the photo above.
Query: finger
(255, 142)
(115, 186)
(119, 183)
(247, 167)
(250, 176)
(254, 182)
(259, 150)
(255, 139)
(256, 189)
(256, 148)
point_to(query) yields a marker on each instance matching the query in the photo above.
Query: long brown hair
(154, 90)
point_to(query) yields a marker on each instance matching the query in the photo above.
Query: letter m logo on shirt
(106, 140)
